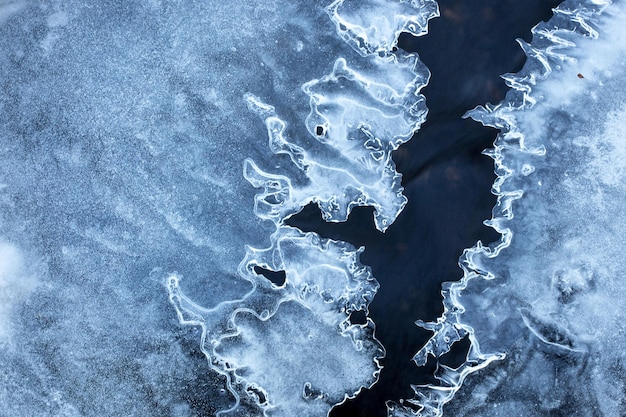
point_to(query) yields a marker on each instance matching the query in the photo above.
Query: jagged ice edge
(549, 47)
(222, 316)
(280, 200)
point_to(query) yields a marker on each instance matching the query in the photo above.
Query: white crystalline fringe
(536, 306)
(359, 114)
(325, 283)
(358, 117)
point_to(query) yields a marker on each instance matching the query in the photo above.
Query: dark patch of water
(447, 181)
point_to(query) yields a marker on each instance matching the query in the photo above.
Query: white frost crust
(541, 306)
(17, 282)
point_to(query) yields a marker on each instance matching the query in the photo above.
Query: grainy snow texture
(132, 137)
(544, 307)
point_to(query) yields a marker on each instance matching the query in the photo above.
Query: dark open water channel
(446, 179)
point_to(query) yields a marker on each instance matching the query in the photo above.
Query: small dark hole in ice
(257, 393)
(405, 42)
(319, 130)
(457, 354)
(394, 49)
(276, 277)
(358, 317)
(272, 199)
(311, 393)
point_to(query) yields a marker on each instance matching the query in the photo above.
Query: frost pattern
(542, 307)
(282, 347)
(357, 119)
(124, 127)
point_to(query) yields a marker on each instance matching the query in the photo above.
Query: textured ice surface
(543, 308)
(132, 135)
(292, 349)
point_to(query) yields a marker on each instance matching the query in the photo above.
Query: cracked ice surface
(543, 308)
(124, 128)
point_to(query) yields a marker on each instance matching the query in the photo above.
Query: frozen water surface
(152, 152)
(132, 137)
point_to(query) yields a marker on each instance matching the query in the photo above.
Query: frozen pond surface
(162, 148)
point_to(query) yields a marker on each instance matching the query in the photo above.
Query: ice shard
(132, 137)
(543, 307)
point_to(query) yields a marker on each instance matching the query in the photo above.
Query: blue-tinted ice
(132, 137)
(156, 148)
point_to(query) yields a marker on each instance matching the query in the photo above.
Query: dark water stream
(447, 181)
